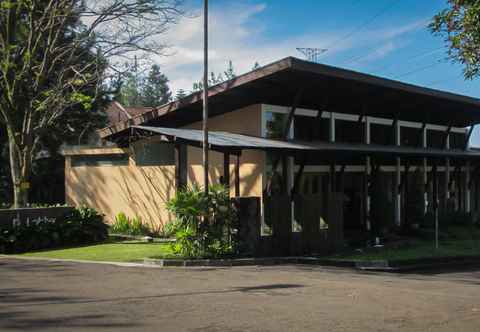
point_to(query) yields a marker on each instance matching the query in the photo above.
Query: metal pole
(205, 95)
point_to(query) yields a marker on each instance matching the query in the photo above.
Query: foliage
(135, 88)
(460, 26)
(203, 222)
(83, 225)
(156, 91)
(215, 79)
(54, 53)
(129, 226)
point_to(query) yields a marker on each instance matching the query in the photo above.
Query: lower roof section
(235, 143)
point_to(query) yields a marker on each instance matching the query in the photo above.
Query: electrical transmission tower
(312, 54)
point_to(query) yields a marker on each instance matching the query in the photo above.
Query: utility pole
(205, 95)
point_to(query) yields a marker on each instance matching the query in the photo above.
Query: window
(151, 153)
(100, 160)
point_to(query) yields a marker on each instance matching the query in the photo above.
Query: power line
(452, 78)
(418, 70)
(417, 56)
(363, 25)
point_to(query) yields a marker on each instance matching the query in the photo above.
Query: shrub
(125, 225)
(81, 226)
(203, 222)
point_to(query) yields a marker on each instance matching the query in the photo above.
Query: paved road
(39, 295)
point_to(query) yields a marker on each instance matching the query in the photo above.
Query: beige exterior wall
(136, 191)
(143, 191)
(245, 121)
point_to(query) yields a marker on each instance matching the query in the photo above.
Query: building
(310, 140)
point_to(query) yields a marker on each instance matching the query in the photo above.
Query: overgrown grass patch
(125, 251)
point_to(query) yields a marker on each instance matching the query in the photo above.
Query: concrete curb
(122, 264)
(374, 265)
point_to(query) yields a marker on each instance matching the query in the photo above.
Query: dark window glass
(382, 134)
(436, 139)
(348, 131)
(457, 141)
(411, 136)
(154, 154)
(310, 128)
(100, 160)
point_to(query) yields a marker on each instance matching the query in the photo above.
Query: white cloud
(236, 34)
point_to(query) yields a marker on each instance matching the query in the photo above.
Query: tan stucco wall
(136, 191)
(245, 121)
(143, 191)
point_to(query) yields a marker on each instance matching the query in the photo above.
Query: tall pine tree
(155, 90)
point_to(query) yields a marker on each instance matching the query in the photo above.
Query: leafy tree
(460, 26)
(43, 68)
(155, 90)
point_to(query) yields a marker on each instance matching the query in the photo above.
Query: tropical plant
(203, 222)
(129, 226)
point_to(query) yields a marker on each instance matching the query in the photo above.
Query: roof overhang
(323, 88)
(235, 143)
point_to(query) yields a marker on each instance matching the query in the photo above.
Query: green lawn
(417, 250)
(127, 251)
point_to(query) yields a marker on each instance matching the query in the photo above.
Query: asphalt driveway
(40, 295)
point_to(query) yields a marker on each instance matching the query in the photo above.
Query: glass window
(100, 160)
(148, 153)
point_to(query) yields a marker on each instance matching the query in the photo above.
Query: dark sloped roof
(324, 88)
(225, 141)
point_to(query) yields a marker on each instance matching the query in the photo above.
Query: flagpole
(205, 95)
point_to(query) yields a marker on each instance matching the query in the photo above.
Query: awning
(235, 143)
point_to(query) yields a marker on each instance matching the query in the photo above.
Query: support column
(398, 178)
(237, 176)
(467, 187)
(425, 173)
(331, 132)
(435, 201)
(368, 172)
(181, 166)
(447, 170)
(226, 171)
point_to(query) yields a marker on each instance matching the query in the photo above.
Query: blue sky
(387, 38)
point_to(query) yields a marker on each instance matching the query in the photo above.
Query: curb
(121, 264)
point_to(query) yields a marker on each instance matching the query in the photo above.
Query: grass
(461, 241)
(126, 251)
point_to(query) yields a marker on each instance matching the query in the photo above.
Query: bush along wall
(80, 226)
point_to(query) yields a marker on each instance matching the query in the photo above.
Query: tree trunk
(20, 170)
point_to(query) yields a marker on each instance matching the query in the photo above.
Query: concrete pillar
(398, 175)
(332, 127)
